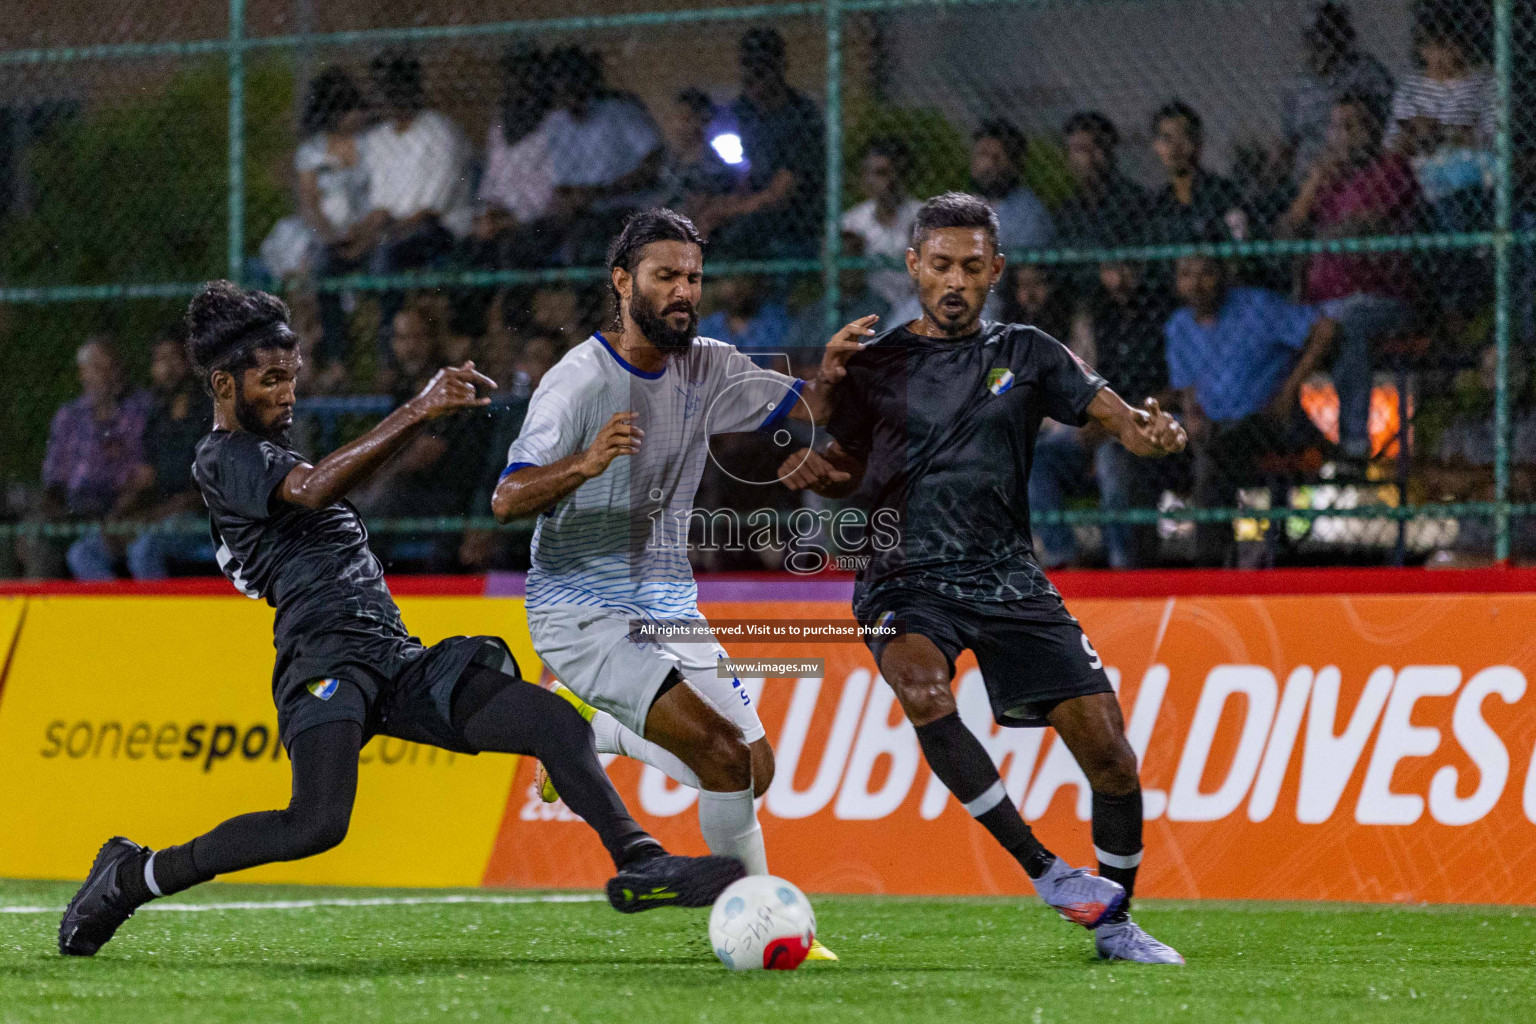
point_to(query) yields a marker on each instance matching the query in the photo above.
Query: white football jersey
(619, 540)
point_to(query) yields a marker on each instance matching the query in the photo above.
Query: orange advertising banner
(1311, 747)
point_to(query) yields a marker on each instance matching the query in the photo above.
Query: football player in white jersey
(609, 458)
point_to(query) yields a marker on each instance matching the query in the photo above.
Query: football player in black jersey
(936, 422)
(347, 669)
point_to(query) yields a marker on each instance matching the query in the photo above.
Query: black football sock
(961, 763)
(324, 784)
(1117, 838)
(498, 712)
(130, 879)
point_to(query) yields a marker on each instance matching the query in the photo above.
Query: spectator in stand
(1335, 66)
(167, 498)
(417, 183)
(1119, 330)
(998, 152)
(1238, 357)
(883, 221)
(1356, 188)
(694, 177)
(1462, 467)
(748, 317)
(1106, 208)
(1039, 296)
(783, 138)
(95, 450)
(333, 193)
(604, 154)
(517, 187)
(1196, 203)
(809, 334)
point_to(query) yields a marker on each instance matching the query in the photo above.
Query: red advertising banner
(1305, 747)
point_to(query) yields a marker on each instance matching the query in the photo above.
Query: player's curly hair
(226, 325)
(658, 224)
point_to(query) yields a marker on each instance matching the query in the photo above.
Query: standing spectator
(1335, 66)
(1196, 204)
(693, 176)
(1107, 208)
(748, 317)
(333, 193)
(998, 151)
(417, 183)
(94, 457)
(1238, 357)
(1121, 324)
(1354, 189)
(783, 139)
(883, 221)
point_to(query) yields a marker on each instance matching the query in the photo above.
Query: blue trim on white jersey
(513, 468)
(625, 362)
(782, 409)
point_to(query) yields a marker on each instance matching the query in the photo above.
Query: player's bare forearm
(1147, 431)
(332, 477)
(535, 489)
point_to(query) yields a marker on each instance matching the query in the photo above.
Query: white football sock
(613, 737)
(729, 824)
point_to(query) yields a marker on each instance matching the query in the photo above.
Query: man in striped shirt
(609, 458)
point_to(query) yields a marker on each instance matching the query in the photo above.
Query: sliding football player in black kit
(936, 421)
(346, 669)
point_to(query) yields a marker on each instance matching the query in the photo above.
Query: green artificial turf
(966, 960)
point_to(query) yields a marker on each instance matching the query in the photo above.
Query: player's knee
(725, 762)
(924, 695)
(320, 831)
(1111, 769)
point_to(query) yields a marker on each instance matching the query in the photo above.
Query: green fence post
(1503, 70)
(236, 268)
(832, 242)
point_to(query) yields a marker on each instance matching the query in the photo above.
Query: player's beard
(246, 416)
(954, 321)
(657, 330)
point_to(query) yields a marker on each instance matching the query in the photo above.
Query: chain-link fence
(1302, 226)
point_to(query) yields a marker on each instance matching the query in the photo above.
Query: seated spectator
(748, 317)
(883, 221)
(1039, 296)
(1119, 329)
(783, 137)
(809, 334)
(1354, 189)
(168, 497)
(1106, 208)
(1238, 357)
(1196, 204)
(95, 451)
(604, 153)
(1462, 467)
(1335, 67)
(998, 152)
(417, 183)
(416, 347)
(693, 176)
(1445, 115)
(517, 185)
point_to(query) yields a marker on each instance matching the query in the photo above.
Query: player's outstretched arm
(329, 480)
(1147, 431)
(831, 474)
(533, 489)
(816, 404)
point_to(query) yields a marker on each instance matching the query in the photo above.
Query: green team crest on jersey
(999, 380)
